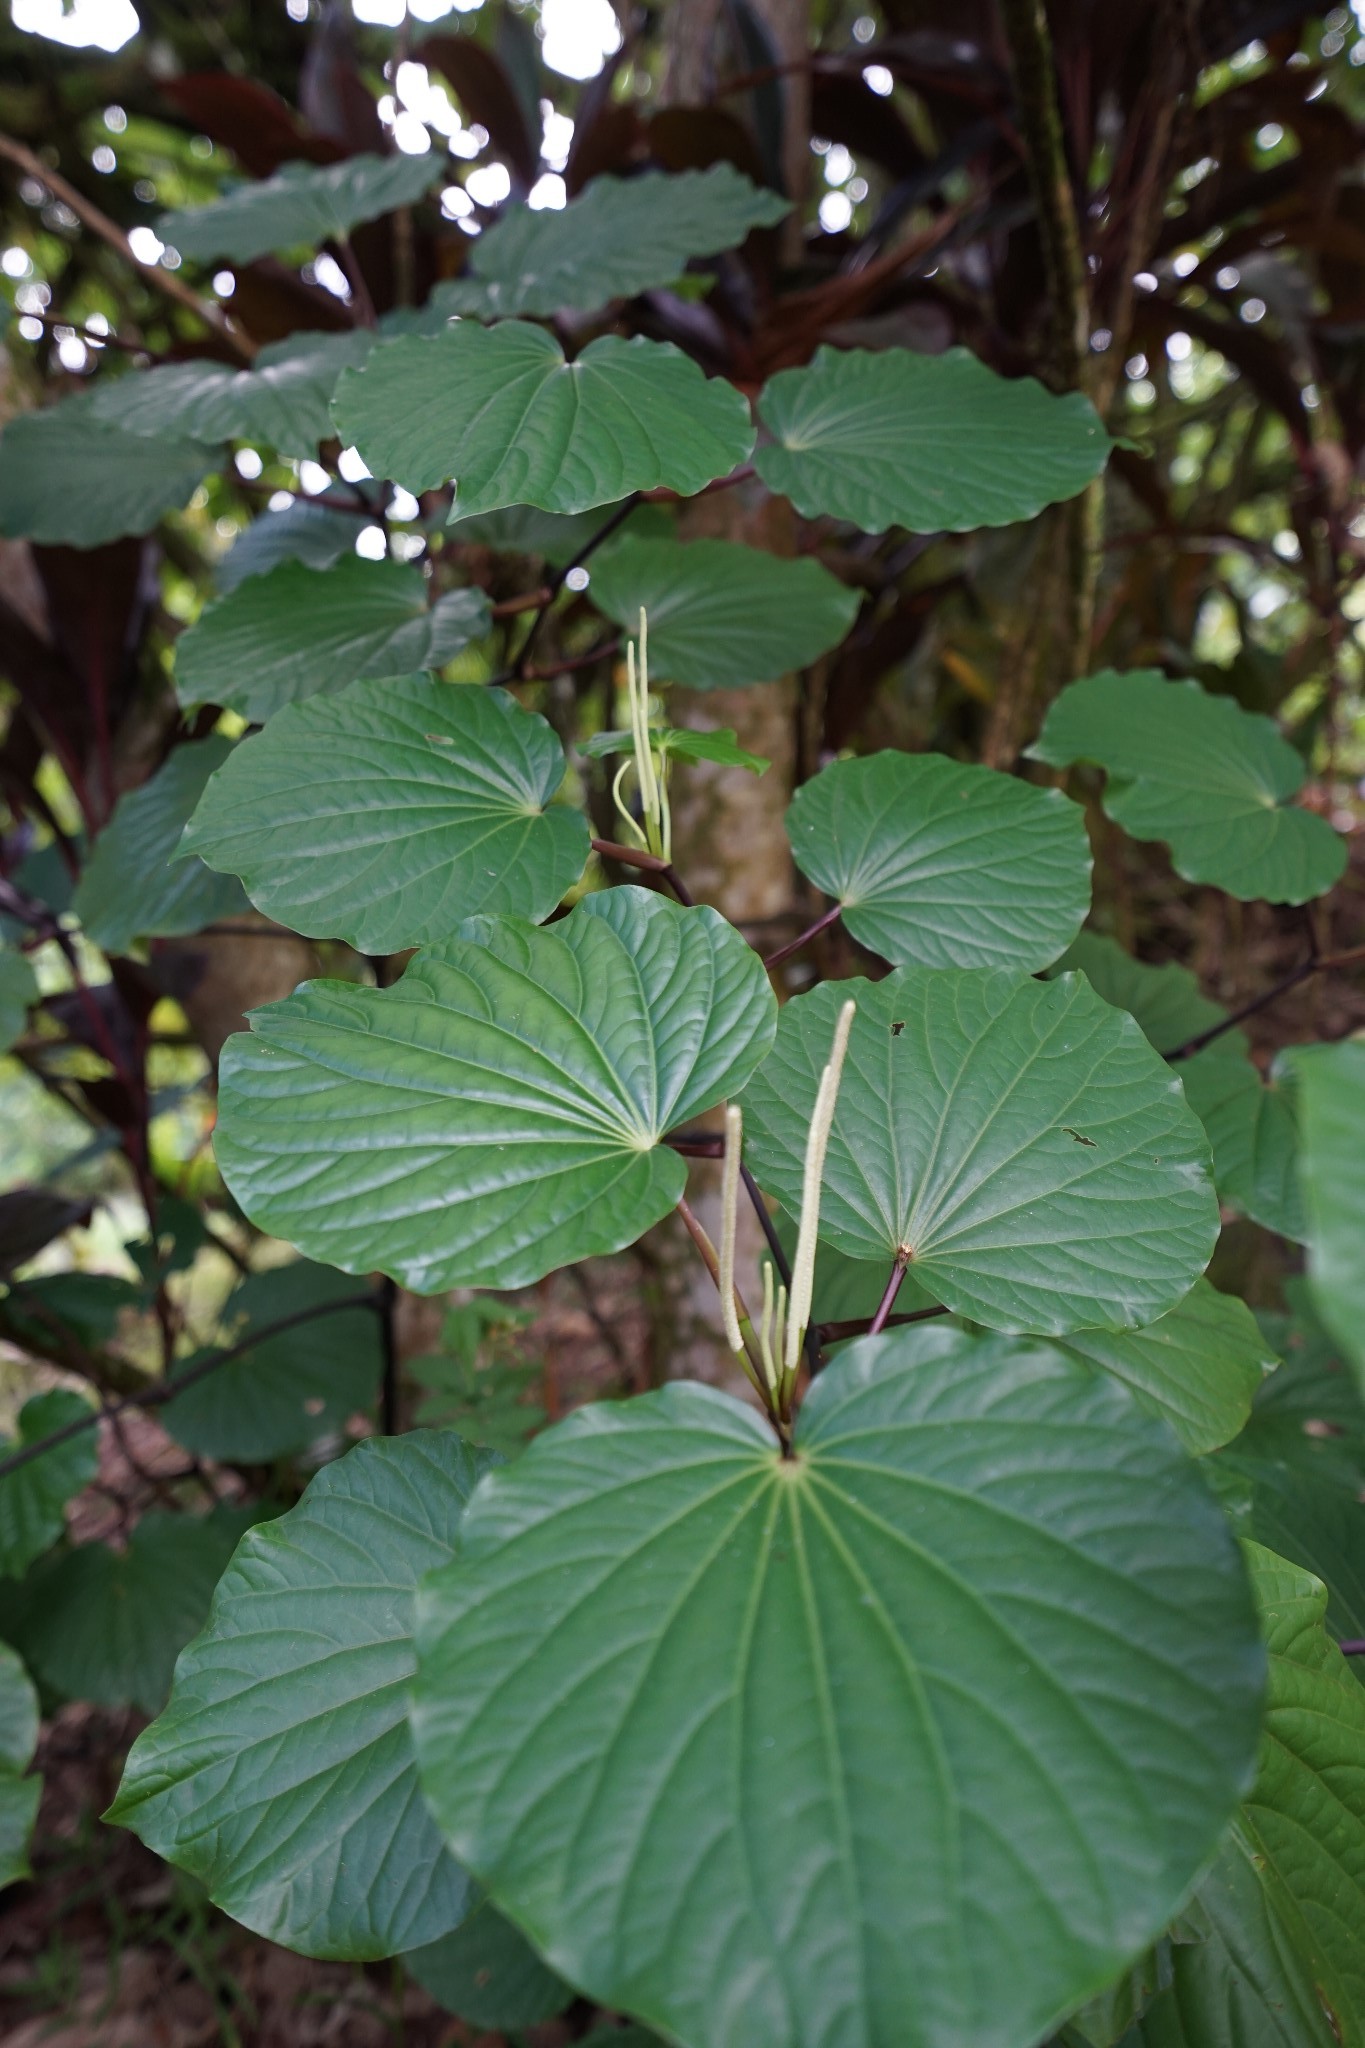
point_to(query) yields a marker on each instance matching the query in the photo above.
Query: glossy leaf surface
(1212, 780)
(67, 477)
(1019, 1140)
(1199, 1366)
(497, 1113)
(1167, 1001)
(308, 530)
(721, 614)
(301, 203)
(1253, 1131)
(387, 812)
(939, 865)
(500, 411)
(132, 886)
(33, 1499)
(283, 400)
(297, 631)
(697, 1818)
(619, 237)
(1332, 1089)
(932, 443)
(281, 1774)
(287, 1391)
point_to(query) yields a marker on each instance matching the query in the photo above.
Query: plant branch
(385, 1308)
(650, 863)
(1316, 963)
(521, 666)
(1040, 121)
(858, 1326)
(162, 280)
(822, 924)
(162, 1391)
(888, 1300)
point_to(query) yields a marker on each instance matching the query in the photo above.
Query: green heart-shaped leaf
(301, 203)
(670, 740)
(1253, 1131)
(68, 478)
(938, 444)
(283, 400)
(721, 614)
(132, 887)
(1332, 1087)
(281, 1774)
(1019, 1142)
(1210, 779)
(497, 1113)
(386, 813)
(297, 631)
(287, 1391)
(500, 411)
(1167, 1001)
(33, 1499)
(938, 865)
(619, 237)
(1199, 1366)
(307, 530)
(838, 1747)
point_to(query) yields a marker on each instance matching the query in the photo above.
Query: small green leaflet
(18, 994)
(287, 1391)
(69, 478)
(33, 1499)
(619, 237)
(1199, 1366)
(105, 1626)
(19, 1795)
(132, 886)
(722, 615)
(630, 1725)
(281, 1774)
(938, 865)
(1019, 1140)
(301, 203)
(1210, 779)
(1253, 1131)
(669, 741)
(1332, 1100)
(1305, 1815)
(488, 1973)
(308, 530)
(497, 1112)
(937, 444)
(385, 814)
(499, 411)
(296, 631)
(1167, 1001)
(283, 400)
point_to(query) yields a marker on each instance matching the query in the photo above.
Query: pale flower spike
(765, 1330)
(817, 1144)
(729, 1209)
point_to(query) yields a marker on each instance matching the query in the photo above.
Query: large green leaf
(132, 886)
(486, 1971)
(496, 1113)
(286, 1391)
(296, 631)
(1199, 1366)
(69, 478)
(1019, 1141)
(620, 236)
(839, 1747)
(105, 1626)
(1167, 1001)
(283, 400)
(500, 411)
(937, 865)
(938, 444)
(1243, 1983)
(19, 1796)
(1306, 1812)
(1210, 779)
(1332, 1104)
(18, 994)
(1253, 1131)
(33, 1499)
(301, 203)
(721, 614)
(281, 1774)
(309, 530)
(386, 813)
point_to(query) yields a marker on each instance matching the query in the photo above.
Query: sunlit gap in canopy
(83, 24)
